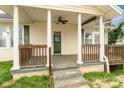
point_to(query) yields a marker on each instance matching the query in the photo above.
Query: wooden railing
(32, 55)
(114, 53)
(90, 53)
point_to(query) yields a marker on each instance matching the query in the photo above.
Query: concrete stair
(68, 78)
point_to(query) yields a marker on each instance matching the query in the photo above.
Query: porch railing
(90, 53)
(114, 53)
(32, 55)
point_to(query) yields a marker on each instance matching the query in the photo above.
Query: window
(88, 38)
(83, 36)
(11, 37)
(20, 36)
(26, 34)
(96, 38)
(3, 37)
(6, 36)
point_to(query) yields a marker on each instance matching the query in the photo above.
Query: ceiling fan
(61, 20)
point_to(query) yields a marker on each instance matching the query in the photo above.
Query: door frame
(60, 42)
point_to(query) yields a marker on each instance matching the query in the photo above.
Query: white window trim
(93, 36)
(8, 39)
(22, 34)
(8, 46)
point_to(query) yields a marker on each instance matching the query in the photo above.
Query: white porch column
(79, 55)
(48, 34)
(15, 38)
(101, 29)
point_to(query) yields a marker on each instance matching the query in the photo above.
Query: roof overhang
(108, 11)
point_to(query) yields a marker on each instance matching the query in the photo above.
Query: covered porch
(45, 33)
(35, 55)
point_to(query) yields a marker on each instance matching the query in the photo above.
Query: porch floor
(68, 61)
(64, 61)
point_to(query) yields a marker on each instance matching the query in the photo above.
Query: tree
(115, 34)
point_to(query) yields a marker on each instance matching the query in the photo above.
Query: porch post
(101, 29)
(79, 55)
(16, 65)
(48, 34)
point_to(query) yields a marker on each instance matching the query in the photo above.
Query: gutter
(117, 9)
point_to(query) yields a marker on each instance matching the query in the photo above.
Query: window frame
(93, 33)
(7, 31)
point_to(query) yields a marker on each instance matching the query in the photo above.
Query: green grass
(118, 72)
(5, 73)
(23, 82)
(31, 82)
(119, 85)
(93, 76)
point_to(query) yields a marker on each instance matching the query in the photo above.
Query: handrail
(106, 64)
(51, 80)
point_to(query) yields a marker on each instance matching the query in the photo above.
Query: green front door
(57, 42)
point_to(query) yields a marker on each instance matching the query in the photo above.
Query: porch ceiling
(30, 14)
(38, 14)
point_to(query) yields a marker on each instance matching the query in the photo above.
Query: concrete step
(68, 78)
(70, 82)
(65, 74)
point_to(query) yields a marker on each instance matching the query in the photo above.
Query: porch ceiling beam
(89, 20)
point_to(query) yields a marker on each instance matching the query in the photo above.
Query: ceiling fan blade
(65, 20)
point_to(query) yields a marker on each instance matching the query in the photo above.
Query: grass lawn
(105, 80)
(5, 73)
(31, 82)
(23, 82)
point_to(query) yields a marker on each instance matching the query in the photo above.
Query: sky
(121, 6)
(120, 18)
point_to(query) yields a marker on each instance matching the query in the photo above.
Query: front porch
(47, 31)
(35, 55)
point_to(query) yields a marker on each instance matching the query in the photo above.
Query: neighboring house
(63, 29)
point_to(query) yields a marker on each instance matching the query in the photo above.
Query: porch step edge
(67, 76)
(26, 70)
(70, 83)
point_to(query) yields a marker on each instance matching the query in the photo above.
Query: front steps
(68, 78)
